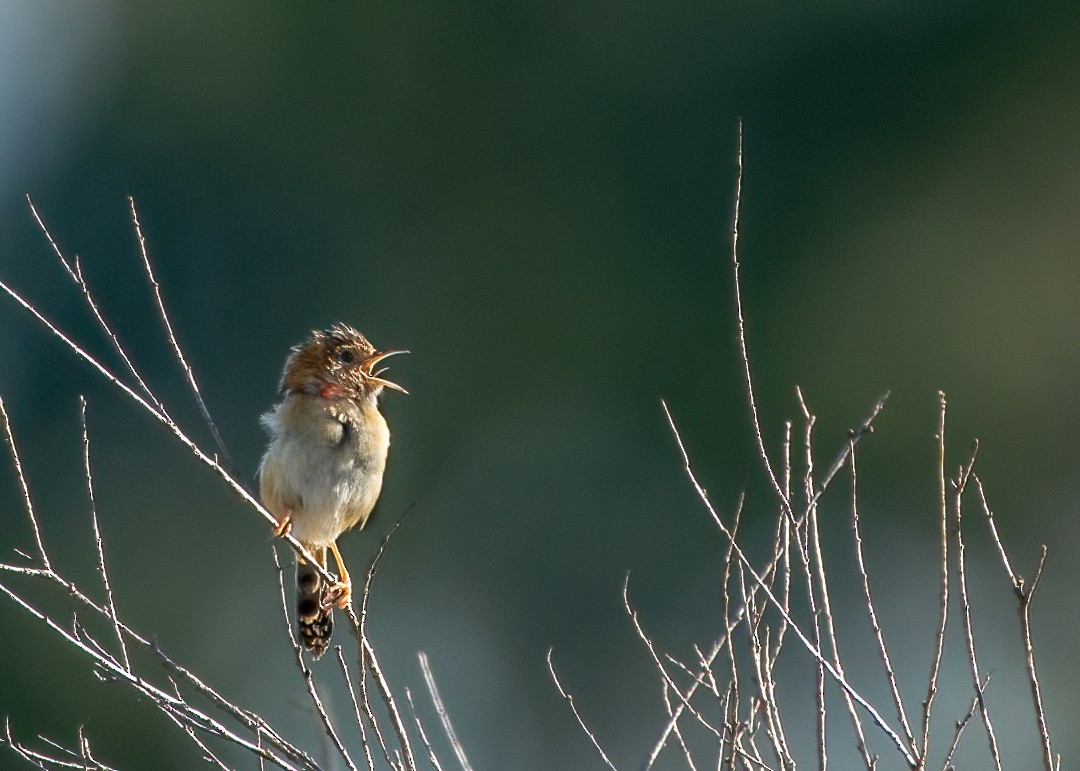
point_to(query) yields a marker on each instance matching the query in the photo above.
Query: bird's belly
(326, 489)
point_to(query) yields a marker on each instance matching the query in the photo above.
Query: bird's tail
(316, 621)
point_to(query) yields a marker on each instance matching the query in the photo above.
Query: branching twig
(961, 725)
(192, 447)
(119, 668)
(305, 672)
(839, 678)
(1024, 596)
(24, 487)
(356, 707)
(181, 359)
(109, 599)
(959, 485)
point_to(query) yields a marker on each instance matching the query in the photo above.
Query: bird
(323, 467)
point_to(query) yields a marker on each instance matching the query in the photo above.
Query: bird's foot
(283, 527)
(339, 593)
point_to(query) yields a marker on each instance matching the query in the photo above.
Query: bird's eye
(346, 357)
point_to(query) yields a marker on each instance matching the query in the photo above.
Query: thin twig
(74, 270)
(208, 754)
(83, 760)
(23, 486)
(659, 663)
(943, 521)
(305, 672)
(866, 427)
(961, 725)
(109, 612)
(1024, 596)
(569, 699)
(444, 716)
(735, 693)
(839, 678)
(814, 579)
(965, 607)
(879, 634)
(249, 719)
(749, 381)
(109, 599)
(664, 691)
(164, 316)
(391, 705)
(161, 699)
(370, 660)
(252, 721)
(432, 757)
(763, 677)
(194, 448)
(356, 707)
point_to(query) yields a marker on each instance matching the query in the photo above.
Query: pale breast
(324, 465)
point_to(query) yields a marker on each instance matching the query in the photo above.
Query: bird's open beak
(373, 377)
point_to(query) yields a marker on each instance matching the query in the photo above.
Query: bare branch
(195, 450)
(23, 486)
(305, 672)
(356, 707)
(164, 316)
(659, 663)
(109, 599)
(162, 700)
(879, 634)
(432, 757)
(814, 651)
(1024, 596)
(943, 522)
(570, 701)
(444, 716)
(370, 660)
(961, 725)
(965, 606)
(74, 270)
(742, 335)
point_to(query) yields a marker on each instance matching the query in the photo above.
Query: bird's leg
(284, 525)
(341, 592)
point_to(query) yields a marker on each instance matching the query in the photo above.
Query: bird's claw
(283, 527)
(339, 594)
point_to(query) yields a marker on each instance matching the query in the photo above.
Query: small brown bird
(323, 470)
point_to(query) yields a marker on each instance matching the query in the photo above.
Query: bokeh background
(536, 200)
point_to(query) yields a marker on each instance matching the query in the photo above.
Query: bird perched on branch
(323, 469)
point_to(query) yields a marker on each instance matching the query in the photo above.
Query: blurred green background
(535, 199)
